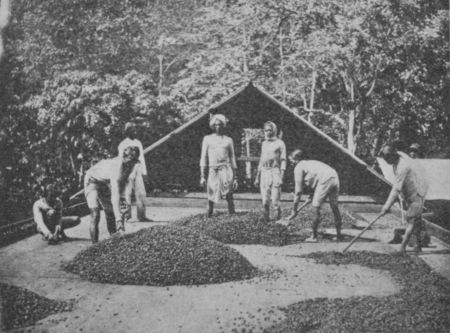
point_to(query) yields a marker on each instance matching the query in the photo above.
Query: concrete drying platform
(253, 304)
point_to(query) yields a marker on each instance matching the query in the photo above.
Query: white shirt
(108, 172)
(311, 173)
(273, 154)
(217, 150)
(134, 143)
(410, 178)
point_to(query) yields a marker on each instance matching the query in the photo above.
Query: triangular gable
(251, 106)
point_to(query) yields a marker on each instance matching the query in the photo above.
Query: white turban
(218, 117)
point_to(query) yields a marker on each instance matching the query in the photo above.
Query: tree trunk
(351, 144)
(244, 57)
(283, 84)
(161, 77)
(312, 96)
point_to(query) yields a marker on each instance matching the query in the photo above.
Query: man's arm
(39, 218)
(139, 190)
(115, 199)
(282, 159)
(298, 179)
(203, 161)
(390, 200)
(258, 172)
(233, 163)
(400, 177)
(142, 158)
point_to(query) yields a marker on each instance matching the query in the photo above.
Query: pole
(362, 231)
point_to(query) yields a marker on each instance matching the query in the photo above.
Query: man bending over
(105, 184)
(323, 180)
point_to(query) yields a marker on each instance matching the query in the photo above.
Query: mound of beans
(161, 256)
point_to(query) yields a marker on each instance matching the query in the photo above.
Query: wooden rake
(285, 221)
(362, 231)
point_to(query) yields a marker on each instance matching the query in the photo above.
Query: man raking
(410, 183)
(323, 180)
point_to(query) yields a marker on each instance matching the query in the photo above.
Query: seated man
(106, 184)
(324, 181)
(47, 214)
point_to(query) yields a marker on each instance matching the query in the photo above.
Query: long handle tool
(362, 231)
(285, 221)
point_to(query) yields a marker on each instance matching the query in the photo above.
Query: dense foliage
(75, 71)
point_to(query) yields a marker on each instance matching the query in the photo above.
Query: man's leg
(230, 202)
(408, 232)
(210, 208)
(316, 222)
(93, 228)
(276, 194)
(333, 198)
(414, 217)
(67, 222)
(337, 220)
(266, 207)
(265, 190)
(141, 194)
(316, 204)
(111, 222)
(418, 233)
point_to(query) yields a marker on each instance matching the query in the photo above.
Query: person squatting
(47, 215)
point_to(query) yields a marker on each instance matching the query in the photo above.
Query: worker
(218, 158)
(271, 168)
(410, 183)
(105, 184)
(323, 182)
(47, 214)
(139, 187)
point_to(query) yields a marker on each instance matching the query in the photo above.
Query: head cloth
(218, 117)
(274, 127)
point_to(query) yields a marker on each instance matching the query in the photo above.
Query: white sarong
(270, 186)
(220, 182)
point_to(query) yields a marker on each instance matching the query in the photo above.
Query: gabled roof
(259, 105)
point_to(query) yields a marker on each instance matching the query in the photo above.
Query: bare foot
(146, 219)
(417, 249)
(311, 240)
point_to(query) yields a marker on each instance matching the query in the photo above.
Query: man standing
(47, 214)
(139, 187)
(323, 180)
(410, 183)
(271, 168)
(219, 159)
(106, 183)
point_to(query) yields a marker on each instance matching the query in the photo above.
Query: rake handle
(362, 231)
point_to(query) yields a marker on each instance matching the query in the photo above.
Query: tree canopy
(73, 72)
